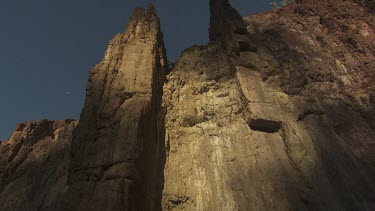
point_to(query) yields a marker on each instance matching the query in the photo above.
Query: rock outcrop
(115, 159)
(34, 165)
(288, 122)
(276, 112)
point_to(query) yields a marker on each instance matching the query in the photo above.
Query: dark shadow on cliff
(36, 182)
(161, 166)
(345, 148)
(343, 139)
(346, 145)
(281, 58)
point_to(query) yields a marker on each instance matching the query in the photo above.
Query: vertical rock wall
(276, 112)
(115, 149)
(269, 124)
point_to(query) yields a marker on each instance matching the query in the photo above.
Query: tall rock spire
(115, 148)
(225, 22)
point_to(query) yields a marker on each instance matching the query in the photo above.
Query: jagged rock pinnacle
(276, 112)
(111, 147)
(224, 22)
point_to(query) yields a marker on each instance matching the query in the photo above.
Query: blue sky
(47, 48)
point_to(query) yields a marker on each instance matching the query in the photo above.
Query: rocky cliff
(115, 158)
(276, 112)
(34, 164)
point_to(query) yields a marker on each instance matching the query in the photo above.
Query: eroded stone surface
(33, 165)
(115, 157)
(276, 112)
(276, 130)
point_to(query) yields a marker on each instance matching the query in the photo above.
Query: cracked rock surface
(34, 164)
(284, 122)
(115, 148)
(276, 112)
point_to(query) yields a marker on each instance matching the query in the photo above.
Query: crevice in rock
(246, 46)
(264, 125)
(179, 200)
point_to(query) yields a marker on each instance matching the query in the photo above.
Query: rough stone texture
(367, 4)
(276, 112)
(288, 126)
(225, 23)
(115, 160)
(33, 165)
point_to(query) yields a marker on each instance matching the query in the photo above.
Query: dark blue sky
(47, 48)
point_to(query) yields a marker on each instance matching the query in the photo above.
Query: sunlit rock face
(279, 116)
(276, 112)
(33, 165)
(115, 156)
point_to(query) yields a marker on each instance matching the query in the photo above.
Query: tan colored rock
(277, 132)
(276, 112)
(220, 162)
(115, 160)
(34, 165)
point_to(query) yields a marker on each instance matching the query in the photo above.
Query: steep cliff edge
(276, 112)
(279, 116)
(33, 165)
(115, 157)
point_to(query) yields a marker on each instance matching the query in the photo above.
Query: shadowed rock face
(367, 4)
(33, 165)
(225, 23)
(284, 122)
(276, 112)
